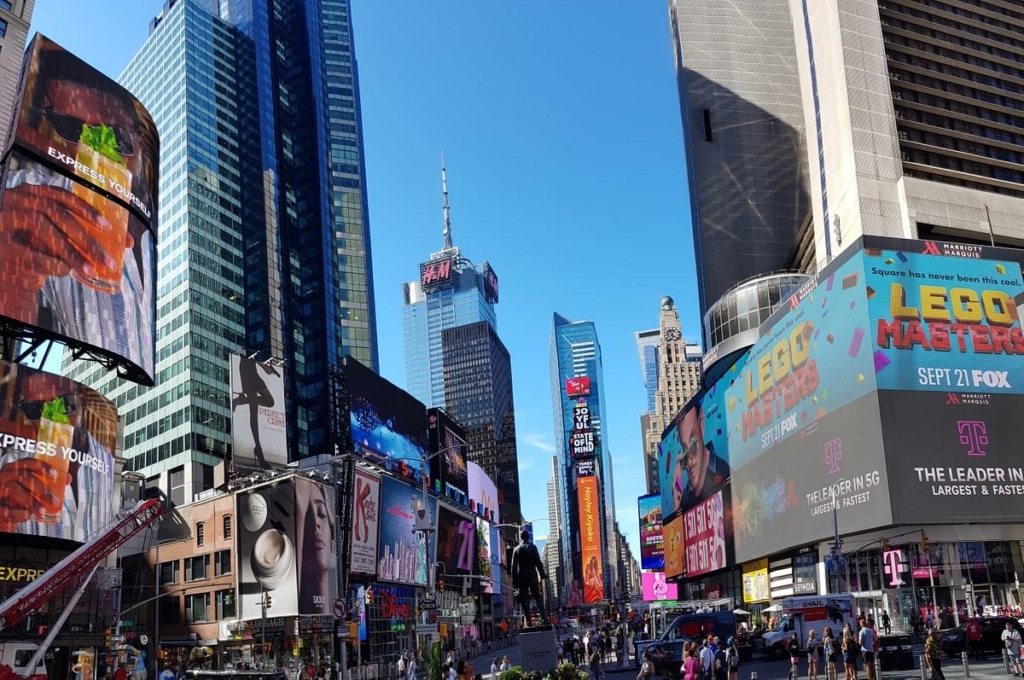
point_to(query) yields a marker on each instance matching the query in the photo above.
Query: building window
(169, 572)
(200, 534)
(197, 568)
(170, 611)
(221, 562)
(3, 28)
(7, 5)
(225, 604)
(197, 608)
(227, 526)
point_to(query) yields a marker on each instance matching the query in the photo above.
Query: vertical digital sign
(590, 540)
(581, 439)
(652, 548)
(448, 472)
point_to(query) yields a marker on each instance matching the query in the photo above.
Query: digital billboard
(447, 442)
(577, 387)
(78, 214)
(286, 549)
(656, 588)
(456, 541)
(755, 582)
(490, 283)
(483, 493)
(675, 558)
(582, 442)
(57, 444)
(590, 539)
(436, 273)
(955, 454)
(388, 425)
(365, 524)
(704, 536)
(259, 432)
(486, 566)
(652, 548)
(945, 317)
(402, 556)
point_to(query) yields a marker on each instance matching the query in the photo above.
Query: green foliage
(566, 671)
(435, 658)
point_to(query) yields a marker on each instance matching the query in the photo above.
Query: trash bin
(905, 653)
(888, 648)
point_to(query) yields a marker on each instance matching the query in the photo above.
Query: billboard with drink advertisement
(675, 556)
(590, 539)
(402, 551)
(78, 215)
(945, 316)
(656, 588)
(388, 425)
(456, 541)
(57, 444)
(365, 522)
(448, 472)
(259, 432)
(483, 493)
(652, 548)
(577, 387)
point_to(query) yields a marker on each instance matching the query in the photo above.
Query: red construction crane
(79, 564)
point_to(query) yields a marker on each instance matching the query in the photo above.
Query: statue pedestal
(539, 648)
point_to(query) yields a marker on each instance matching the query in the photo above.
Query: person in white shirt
(1011, 640)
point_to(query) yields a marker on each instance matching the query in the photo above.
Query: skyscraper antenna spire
(447, 217)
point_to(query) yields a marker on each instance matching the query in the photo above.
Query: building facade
(676, 378)
(552, 557)
(577, 393)
(15, 17)
(743, 130)
(261, 252)
(921, 137)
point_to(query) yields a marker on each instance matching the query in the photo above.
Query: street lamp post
(835, 557)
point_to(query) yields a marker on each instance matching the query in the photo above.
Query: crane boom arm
(78, 564)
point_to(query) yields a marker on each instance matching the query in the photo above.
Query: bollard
(967, 665)
(924, 668)
(1006, 661)
(878, 666)
(753, 675)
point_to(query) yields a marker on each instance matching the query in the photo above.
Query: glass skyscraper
(576, 353)
(261, 251)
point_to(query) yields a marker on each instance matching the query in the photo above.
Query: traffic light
(440, 585)
(885, 545)
(924, 542)
(268, 600)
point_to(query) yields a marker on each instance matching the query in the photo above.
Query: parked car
(954, 640)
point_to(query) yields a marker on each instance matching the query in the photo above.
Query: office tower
(577, 394)
(919, 118)
(553, 562)
(15, 17)
(676, 369)
(261, 250)
(451, 291)
(743, 129)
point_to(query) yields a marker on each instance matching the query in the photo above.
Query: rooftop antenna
(447, 220)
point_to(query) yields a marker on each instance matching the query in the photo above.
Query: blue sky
(560, 126)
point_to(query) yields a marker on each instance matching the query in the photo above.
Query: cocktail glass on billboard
(99, 150)
(56, 434)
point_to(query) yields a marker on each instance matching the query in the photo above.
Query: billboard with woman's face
(78, 215)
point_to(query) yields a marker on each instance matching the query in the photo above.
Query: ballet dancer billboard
(258, 426)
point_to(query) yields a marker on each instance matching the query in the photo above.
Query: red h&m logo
(435, 272)
(893, 562)
(931, 248)
(973, 435)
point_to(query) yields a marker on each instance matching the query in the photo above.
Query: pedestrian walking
(794, 655)
(933, 655)
(813, 651)
(595, 662)
(831, 647)
(1011, 641)
(886, 623)
(851, 649)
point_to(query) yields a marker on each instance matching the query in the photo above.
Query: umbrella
(773, 608)
(741, 612)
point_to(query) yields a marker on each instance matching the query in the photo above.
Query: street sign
(117, 638)
(339, 608)
(426, 628)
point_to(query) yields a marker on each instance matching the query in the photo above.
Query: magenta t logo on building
(893, 561)
(833, 454)
(973, 435)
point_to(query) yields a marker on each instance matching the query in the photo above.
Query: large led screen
(447, 441)
(945, 317)
(365, 524)
(57, 444)
(487, 566)
(286, 549)
(652, 549)
(590, 539)
(675, 557)
(483, 493)
(388, 425)
(456, 542)
(656, 588)
(78, 216)
(402, 556)
(259, 432)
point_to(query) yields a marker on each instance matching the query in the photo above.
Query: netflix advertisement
(590, 539)
(945, 317)
(78, 215)
(652, 548)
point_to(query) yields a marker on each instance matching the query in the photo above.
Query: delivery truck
(805, 613)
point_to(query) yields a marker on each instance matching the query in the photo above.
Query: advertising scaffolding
(78, 214)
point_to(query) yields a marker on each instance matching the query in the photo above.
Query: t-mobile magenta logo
(833, 454)
(973, 435)
(893, 561)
